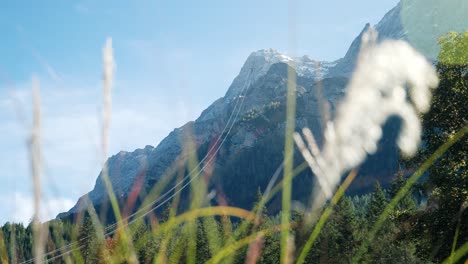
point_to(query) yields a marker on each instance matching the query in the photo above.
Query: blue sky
(173, 59)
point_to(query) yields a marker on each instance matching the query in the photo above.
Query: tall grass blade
(457, 255)
(36, 171)
(234, 247)
(3, 249)
(323, 218)
(288, 161)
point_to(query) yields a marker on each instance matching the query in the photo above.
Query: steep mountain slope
(239, 138)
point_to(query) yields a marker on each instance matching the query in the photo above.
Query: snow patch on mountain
(259, 62)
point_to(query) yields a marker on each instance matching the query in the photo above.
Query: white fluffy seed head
(108, 69)
(377, 91)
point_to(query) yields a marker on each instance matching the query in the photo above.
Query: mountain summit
(259, 62)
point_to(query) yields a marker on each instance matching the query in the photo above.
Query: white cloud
(71, 135)
(19, 207)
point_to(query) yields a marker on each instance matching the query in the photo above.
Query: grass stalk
(36, 171)
(323, 218)
(454, 243)
(288, 161)
(204, 212)
(457, 255)
(3, 249)
(234, 247)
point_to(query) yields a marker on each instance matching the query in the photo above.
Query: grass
(181, 227)
(323, 218)
(288, 164)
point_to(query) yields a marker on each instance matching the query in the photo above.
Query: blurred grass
(236, 237)
(457, 255)
(288, 162)
(239, 244)
(323, 218)
(221, 252)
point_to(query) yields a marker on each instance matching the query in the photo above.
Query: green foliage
(448, 177)
(377, 204)
(407, 206)
(18, 241)
(453, 49)
(88, 241)
(339, 237)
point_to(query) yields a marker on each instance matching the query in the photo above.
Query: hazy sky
(173, 59)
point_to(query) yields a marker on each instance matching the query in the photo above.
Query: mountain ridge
(260, 85)
(124, 167)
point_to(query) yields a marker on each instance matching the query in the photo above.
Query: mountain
(239, 138)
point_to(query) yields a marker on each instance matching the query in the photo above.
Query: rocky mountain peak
(259, 62)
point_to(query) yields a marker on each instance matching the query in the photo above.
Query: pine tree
(406, 207)
(260, 208)
(377, 204)
(345, 216)
(87, 240)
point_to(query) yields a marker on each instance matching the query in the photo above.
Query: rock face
(246, 128)
(259, 62)
(389, 27)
